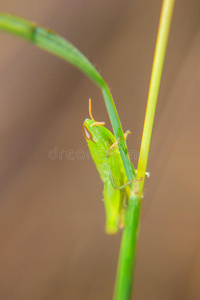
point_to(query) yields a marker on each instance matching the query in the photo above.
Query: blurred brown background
(52, 241)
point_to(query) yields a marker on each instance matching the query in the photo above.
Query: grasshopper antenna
(90, 109)
(91, 116)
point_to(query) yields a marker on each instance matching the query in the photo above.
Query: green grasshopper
(104, 150)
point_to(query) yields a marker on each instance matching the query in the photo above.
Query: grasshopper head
(93, 131)
(97, 136)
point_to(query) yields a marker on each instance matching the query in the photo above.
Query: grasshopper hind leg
(112, 199)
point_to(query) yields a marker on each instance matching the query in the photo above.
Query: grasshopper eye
(86, 133)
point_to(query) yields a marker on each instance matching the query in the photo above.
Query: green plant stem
(158, 62)
(53, 43)
(124, 277)
(126, 261)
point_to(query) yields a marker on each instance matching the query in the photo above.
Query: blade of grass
(126, 261)
(53, 43)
